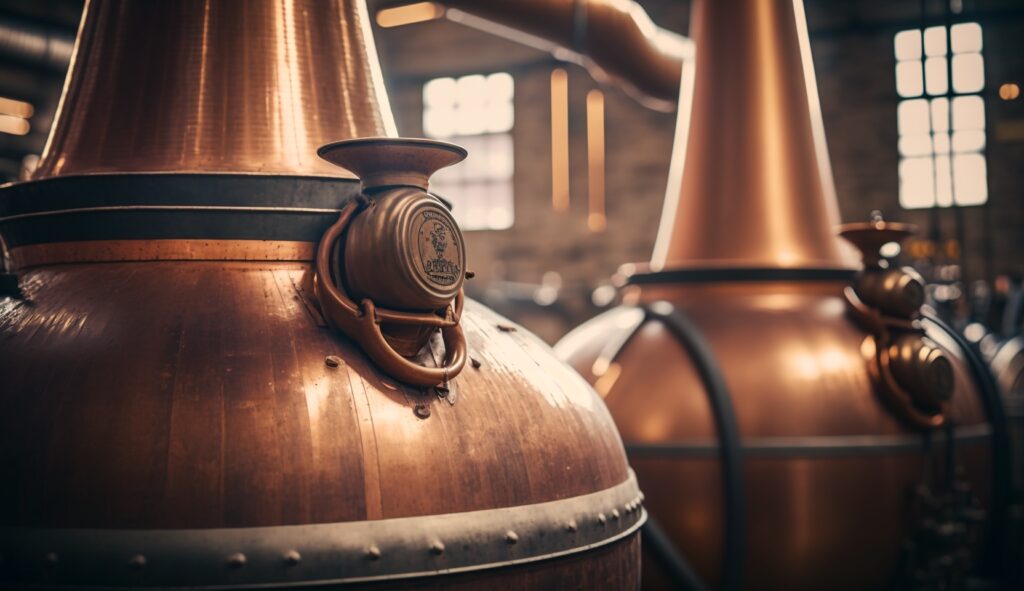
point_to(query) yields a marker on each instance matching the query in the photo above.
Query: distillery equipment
(228, 362)
(795, 416)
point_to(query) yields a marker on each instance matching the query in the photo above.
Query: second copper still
(797, 422)
(231, 363)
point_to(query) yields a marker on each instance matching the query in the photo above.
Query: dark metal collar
(305, 555)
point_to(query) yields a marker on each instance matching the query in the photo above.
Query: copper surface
(161, 250)
(617, 39)
(216, 86)
(750, 183)
(793, 362)
(174, 394)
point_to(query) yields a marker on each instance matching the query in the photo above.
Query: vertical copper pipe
(216, 86)
(751, 184)
(559, 140)
(596, 219)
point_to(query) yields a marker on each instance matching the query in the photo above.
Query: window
(941, 117)
(475, 112)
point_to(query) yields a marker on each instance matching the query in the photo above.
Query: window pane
(500, 87)
(919, 144)
(499, 214)
(935, 73)
(500, 158)
(940, 114)
(940, 143)
(966, 37)
(971, 185)
(935, 41)
(912, 117)
(968, 113)
(439, 121)
(908, 78)
(908, 45)
(916, 183)
(472, 90)
(968, 72)
(943, 182)
(502, 117)
(439, 92)
(968, 141)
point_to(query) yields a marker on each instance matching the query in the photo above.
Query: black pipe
(731, 451)
(1001, 466)
(657, 543)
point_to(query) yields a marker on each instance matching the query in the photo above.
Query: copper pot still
(797, 420)
(230, 363)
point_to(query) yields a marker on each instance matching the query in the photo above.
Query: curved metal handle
(899, 400)
(362, 323)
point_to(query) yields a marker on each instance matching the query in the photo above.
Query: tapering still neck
(750, 185)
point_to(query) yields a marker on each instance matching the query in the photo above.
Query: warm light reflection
(596, 219)
(559, 140)
(14, 125)
(16, 108)
(409, 14)
(1009, 91)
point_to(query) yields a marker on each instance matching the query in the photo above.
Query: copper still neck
(750, 184)
(217, 86)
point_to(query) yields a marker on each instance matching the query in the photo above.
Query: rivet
(474, 362)
(292, 558)
(137, 562)
(236, 560)
(436, 548)
(470, 274)
(570, 526)
(642, 497)
(511, 537)
(51, 558)
(332, 360)
(601, 519)
(615, 514)
(373, 553)
(422, 410)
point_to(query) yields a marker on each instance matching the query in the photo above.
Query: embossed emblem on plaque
(440, 252)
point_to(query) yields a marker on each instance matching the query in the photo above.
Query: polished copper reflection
(217, 86)
(748, 252)
(616, 39)
(750, 182)
(165, 365)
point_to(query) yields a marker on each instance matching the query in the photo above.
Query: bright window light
(941, 119)
(477, 113)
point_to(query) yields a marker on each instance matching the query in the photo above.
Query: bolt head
(436, 548)
(332, 361)
(422, 410)
(236, 560)
(373, 553)
(570, 526)
(137, 562)
(511, 537)
(601, 519)
(292, 557)
(615, 514)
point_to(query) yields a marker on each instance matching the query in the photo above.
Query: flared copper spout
(750, 184)
(217, 86)
(393, 162)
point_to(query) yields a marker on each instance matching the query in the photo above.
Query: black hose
(1001, 466)
(657, 543)
(730, 448)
